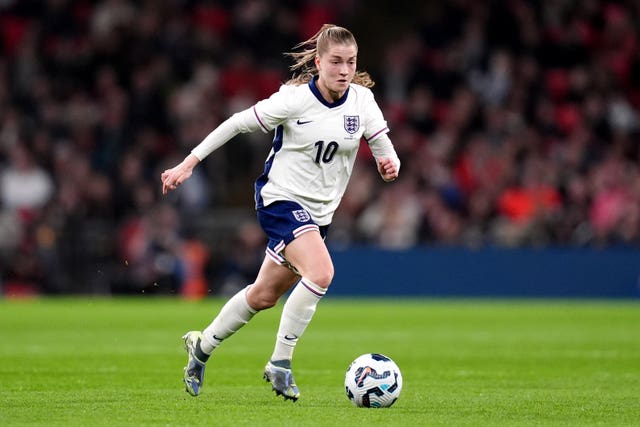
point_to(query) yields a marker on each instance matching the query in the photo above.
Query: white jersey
(315, 145)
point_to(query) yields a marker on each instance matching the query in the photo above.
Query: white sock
(233, 316)
(296, 315)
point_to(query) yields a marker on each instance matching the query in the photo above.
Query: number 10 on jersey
(323, 154)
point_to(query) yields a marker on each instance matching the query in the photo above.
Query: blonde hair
(304, 66)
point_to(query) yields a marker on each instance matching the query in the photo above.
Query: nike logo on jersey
(300, 122)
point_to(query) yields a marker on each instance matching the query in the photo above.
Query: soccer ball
(373, 381)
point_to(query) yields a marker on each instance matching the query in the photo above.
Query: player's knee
(321, 278)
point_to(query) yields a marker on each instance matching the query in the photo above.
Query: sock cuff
(283, 363)
(312, 287)
(199, 353)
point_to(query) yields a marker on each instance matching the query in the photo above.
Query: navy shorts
(283, 221)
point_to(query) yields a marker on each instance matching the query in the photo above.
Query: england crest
(351, 124)
(301, 215)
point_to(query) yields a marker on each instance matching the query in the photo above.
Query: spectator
(24, 186)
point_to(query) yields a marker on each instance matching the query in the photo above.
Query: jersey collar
(316, 92)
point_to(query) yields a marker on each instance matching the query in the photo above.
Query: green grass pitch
(77, 361)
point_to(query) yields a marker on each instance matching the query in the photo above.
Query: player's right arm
(242, 122)
(238, 123)
(265, 115)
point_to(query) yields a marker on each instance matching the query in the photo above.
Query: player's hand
(172, 178)
(387, 168)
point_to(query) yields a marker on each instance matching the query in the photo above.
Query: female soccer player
(319, 117)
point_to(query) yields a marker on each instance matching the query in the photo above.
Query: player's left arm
(387, 160)
(376, 136)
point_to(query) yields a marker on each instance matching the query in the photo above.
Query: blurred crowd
(516, 122)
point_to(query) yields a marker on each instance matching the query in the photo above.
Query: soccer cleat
(282, 381)
(194, 371)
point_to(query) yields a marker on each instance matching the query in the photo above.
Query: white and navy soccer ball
(373, 381)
